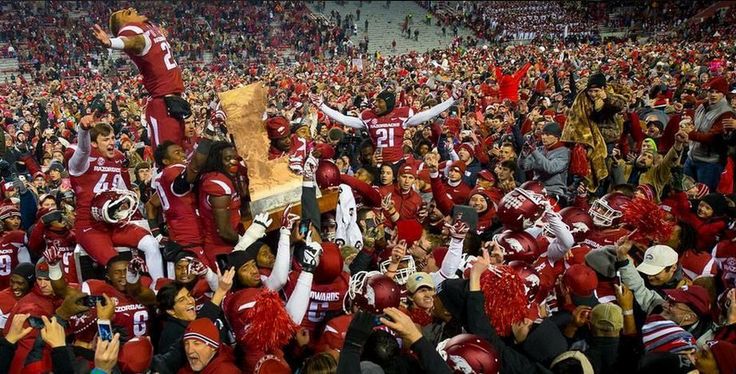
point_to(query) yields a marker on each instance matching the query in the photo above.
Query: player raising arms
(386, 123)
(146, 45)
(104, 201)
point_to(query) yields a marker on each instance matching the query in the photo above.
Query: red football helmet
(372, 292)
(530, 277)
(330, 264)
(327, 174)
(534, 186)
(114, 206)
(518, 246)
(607, 210)
(577, 221)
(467, 353)
(520, 209)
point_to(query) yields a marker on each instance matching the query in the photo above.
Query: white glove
(310, 167)
(296, 165)
(316, 100)
(256, 231)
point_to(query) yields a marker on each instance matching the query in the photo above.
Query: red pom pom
(506, 301)
(648, 219)
(579, 165)
(269, 323)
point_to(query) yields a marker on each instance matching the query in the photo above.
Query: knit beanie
(390, 99)
(27, 271)
(203, 330)
(597, 80)
(717, 202)
(237, 259)
(666, 336)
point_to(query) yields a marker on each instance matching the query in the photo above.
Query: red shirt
(102, 174)
(216, 184)
(180, 211)
(10, 245)
(387, 131)
(161, 74)
(130, 315)
(599, 238)
(7, 302)
(324, 299)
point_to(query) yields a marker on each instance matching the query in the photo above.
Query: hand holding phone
(104, 330)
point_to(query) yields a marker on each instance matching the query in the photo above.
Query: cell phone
(467, 214)
(35, 322)
(304, 226)
(222, 262)
(104, 330)
(90, 301)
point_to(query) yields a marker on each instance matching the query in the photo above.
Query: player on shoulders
(105, 203)
(386, 122)
(146, 44)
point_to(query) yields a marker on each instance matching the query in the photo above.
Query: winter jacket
(658, 175)
(550, 167)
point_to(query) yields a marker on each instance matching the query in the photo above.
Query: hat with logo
(277, 127)
(694, 296)
(656, 258)
(418, 280)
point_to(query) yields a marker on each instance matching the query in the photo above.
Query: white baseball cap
(656, 258)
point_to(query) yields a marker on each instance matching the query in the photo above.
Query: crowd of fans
(550, 207)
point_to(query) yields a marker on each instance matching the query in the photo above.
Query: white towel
(348, 232)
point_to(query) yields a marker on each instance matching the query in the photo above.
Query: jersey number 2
(385, 138)
(168, 60)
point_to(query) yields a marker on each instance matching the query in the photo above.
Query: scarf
(348, 232)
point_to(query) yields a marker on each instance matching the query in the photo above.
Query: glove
(196, 267)
(256, 231)
(136, 267)
(458, 230)
(288, 219)
(360, 329)
(316, 100)
(310, 167)
(457, 93)
(296, 165)
(310, 256)
(20, 186)
(53, 254)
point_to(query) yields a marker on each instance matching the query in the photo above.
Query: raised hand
(196, 267)
(53, 254)
(458, 230)
(101, 35)
(263, 219)
(137, 265)
(288, 219)
(316, 99)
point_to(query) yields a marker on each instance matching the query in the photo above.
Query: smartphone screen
(104, 329)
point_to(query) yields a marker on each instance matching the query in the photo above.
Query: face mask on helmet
(371, 292)
(603, 214)
(406, 268)
(114, 206)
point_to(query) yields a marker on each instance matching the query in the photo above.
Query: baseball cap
(42, 269)
(582, 282)
(656, 258)
(694, 296)
(607, 317)
(418, 280)
(408, 169)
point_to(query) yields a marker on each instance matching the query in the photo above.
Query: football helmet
(518, 246)
(577, 221)
(327, 174)
(534, 186)
(530, 277)
(407, 267)
(372, 292)
(607, 210)
(330, 264)
(520, 209)
(469, 354)
(114, 206)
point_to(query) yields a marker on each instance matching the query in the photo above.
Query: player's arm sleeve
(371, 195)
(450, 263)
(280, 273)
(444, 203)
(299, 300)
(430, 113)
(349, 121)
(563, 238)
(78, 162)
(23, 254)
(135, 39)
(310, 206)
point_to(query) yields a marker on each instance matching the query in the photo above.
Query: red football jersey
(11, 246)
(161, 74)
(216, 184)
(323, 298)
(130, 315)
(599, 238)
(387, 131)
(180, 211)
(101, 174)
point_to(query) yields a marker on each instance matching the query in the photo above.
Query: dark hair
(381, 348)
(161, 151)
(508, 164)
(103, 129)
(214, 158)
(166, 296)
(321, 363)
(569, 365)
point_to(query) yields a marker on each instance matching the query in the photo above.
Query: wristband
(117, 43)
(629, 312)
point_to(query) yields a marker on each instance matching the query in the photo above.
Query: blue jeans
(704, 172)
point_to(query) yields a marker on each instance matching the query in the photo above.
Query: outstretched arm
(349, 121)
(138, 43)
(430, 113)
